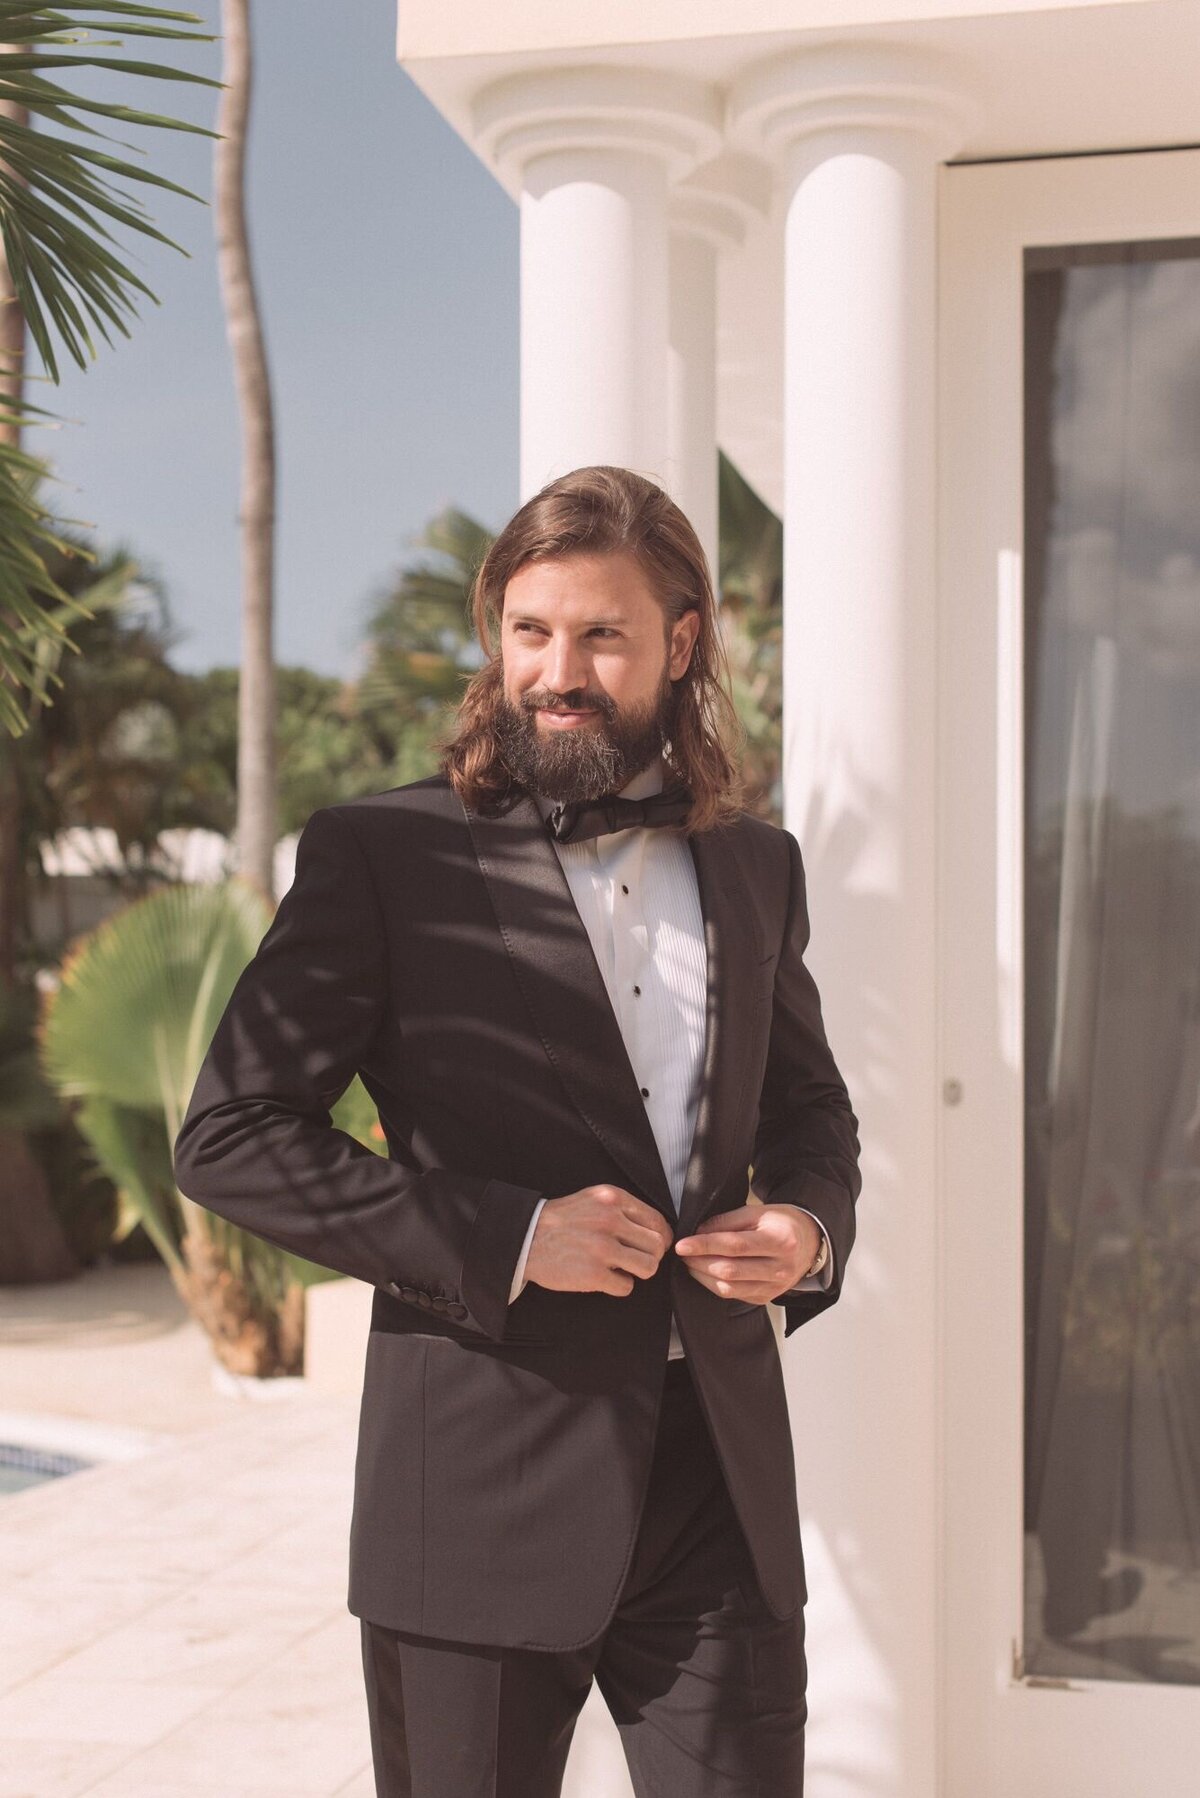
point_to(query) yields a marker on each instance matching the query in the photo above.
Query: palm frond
(56, 191)
(35, 611)
(60, 192)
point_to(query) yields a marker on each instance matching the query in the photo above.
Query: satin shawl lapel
(558, 974)
(735, 951)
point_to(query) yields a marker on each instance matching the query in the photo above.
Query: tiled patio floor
(176, 1624)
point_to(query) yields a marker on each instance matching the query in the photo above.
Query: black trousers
(706, 1686)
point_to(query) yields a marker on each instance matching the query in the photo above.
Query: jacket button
(456, 1310)
(439, 1303)
(409, 1293)
(424, 1300)
(394, 1288)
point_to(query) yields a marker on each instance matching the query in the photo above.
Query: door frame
(1003, 1733)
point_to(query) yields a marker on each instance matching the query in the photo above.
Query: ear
(684, 632)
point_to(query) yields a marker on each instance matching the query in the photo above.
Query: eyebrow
(532, 618)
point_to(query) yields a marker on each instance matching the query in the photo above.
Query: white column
(858, 135)
(691, 467)
(593, 151)
(593, 313)
(707, 214)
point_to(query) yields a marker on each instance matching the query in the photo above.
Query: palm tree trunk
(33, 1245)
(257, 801)
(12, 351)
(245, 1341)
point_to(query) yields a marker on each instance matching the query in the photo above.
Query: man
(569, 969)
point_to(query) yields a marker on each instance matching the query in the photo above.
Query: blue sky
(387, 264)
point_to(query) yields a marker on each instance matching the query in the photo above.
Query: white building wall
(838, 113)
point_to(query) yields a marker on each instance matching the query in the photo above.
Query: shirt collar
(649, 780)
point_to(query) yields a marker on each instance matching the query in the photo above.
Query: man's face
(588, 665)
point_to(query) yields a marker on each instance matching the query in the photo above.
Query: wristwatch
(822, 1257)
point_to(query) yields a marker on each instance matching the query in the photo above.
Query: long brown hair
(604, 510)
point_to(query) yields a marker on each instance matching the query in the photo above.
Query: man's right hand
(597, 1240)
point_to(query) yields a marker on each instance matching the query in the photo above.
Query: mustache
(541, 699)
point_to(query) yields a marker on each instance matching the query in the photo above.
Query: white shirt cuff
(519, 1274)
(816, 1282)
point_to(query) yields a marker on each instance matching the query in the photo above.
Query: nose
(565, 666)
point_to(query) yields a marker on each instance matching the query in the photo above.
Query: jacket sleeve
(806, 1146)
(257, 1144)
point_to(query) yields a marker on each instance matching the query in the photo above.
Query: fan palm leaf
(123, 1036)
(141, 995)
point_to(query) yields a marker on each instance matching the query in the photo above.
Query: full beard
(587, 761)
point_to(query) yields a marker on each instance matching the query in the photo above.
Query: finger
(747, 1295)
(639, 1236)
(744, 1218)
(719, 1243)
(743, 1271)
(646, 1217)
(753, 1293)
(702, 1277)
(632, 1261)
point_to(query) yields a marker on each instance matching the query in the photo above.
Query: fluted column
(857, 133)
(707, 214)
(594, 150)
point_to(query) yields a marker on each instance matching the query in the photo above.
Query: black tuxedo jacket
(503, 1451)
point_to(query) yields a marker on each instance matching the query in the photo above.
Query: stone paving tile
(361, 1786)
(180, 1651)
(177, 1560)
(309, 1756)
(23, 1549)
(334, 1645)
(286, 1563)
(209, 1604)
(128, 1783)
(43, 1621)
(33, 1769)
(53, 1707)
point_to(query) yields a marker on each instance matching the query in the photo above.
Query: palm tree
(62, 769)
(12, 353)
(256, 784)
(122, 1038)
(420, 645)
(41, 775)
(751, 585)
(61, 188)
(59, 195)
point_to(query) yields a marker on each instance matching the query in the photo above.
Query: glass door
(1070, 929)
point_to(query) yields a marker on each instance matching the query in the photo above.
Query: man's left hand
(754, 1253)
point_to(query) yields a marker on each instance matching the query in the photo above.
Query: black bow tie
(575, 822)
